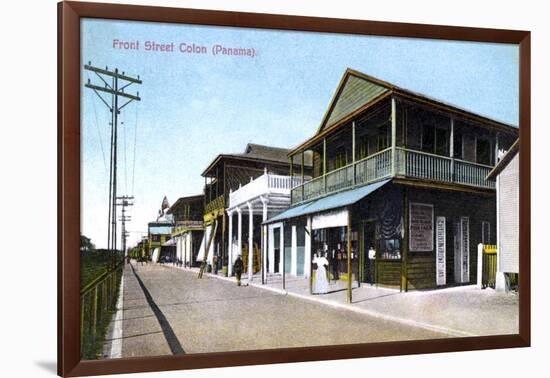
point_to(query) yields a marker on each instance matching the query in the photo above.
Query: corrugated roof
(180, 201)
(333, 201)
(260, 152)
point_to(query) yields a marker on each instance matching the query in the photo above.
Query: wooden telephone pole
(113, 83)
(124, 203)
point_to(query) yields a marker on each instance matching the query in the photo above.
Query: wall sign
(441, 251)
(421, 232)
(465, 229)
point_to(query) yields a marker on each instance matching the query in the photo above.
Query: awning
(333, 201)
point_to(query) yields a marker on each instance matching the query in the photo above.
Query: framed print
(239, 188)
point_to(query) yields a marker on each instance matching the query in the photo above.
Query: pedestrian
(215, 264)
(320, 285)
(238, 268)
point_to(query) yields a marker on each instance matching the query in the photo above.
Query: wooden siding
(420, 271)
(355, 93)
(388, 273)
(508, 198)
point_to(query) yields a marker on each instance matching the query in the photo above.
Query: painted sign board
(465, 227)
(441, 251)
(421, 232)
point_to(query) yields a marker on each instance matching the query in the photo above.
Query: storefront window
(390, 249)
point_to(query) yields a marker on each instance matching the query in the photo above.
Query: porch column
(282, 249)
(393, 136)
(353, 149)
(230, 244)
(324, 165)
(189, 252)
(271, 249)
(452, 149)
(250, 239)
(307, 247)
(293, 252)
(239, 231)
(264, 239)
(348, 249)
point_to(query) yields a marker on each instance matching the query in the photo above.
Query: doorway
(367, 264)
(276, 249)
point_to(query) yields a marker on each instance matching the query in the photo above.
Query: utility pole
(124, 201)
(113, 83)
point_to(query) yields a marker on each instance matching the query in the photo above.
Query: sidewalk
(458, 311)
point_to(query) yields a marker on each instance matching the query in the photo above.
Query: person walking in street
(238, 269)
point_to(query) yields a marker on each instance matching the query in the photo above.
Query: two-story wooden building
(399, 195)
(188, 230)
(227, 173)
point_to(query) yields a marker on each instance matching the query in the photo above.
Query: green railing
(215, 204)
(384, 164)
(97, 304)
(489, 266)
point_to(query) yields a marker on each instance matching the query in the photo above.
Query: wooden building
(159, 232)
(399, 196)
(506, 175)
(227, 173)
(188, 231)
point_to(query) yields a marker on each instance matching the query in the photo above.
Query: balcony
(215, 204)
(408, 163)
(265, 185)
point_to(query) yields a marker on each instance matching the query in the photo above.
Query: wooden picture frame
(69, 65)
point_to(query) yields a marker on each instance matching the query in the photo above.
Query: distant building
(159, 232)
(188, 231)
(506, 174)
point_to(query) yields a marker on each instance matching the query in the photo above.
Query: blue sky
(195, 106)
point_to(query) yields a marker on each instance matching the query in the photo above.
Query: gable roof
(352, 93)
(182, 200)
(504, 161)
(256, 152)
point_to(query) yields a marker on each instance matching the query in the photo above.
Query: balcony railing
(408, 163)
(265, 184)
(215, 204)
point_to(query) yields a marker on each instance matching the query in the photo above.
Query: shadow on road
(169, 335)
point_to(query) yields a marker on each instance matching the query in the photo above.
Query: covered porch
(253, 204)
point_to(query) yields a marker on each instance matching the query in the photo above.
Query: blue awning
(333, 201)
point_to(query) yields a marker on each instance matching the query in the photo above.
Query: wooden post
(222, 244)
(349, 254)
(282, 246)
(302, 178)
(94, 313)
(324, 165)
(230, 246)
(82, 312)
(405, 244)
(353, 149)
(393, 136)
(452, 149)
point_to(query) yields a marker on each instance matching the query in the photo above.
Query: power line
(113, 83)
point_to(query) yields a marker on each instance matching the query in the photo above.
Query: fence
(97, 304)
(488, 266)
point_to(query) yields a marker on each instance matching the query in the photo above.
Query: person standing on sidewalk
(238, 269)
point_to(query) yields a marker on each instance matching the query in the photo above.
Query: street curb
(116, 343)
(348, 307)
